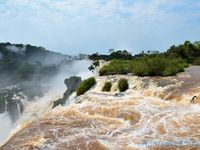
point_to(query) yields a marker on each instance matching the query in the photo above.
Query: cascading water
(35, 108)
(140, 118)
(5, 126)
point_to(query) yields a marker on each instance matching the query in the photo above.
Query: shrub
(196, 61)
(123, 85)
(158, 65)
(140, 68)
(169, 71)
(85, 86)
(116, 67)
(107, 86)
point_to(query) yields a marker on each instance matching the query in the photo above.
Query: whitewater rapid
(155, 113)
(40, 105)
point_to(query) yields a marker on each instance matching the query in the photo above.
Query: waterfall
(5, 126)
(40, 105)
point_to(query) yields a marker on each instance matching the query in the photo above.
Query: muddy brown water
(103, 121)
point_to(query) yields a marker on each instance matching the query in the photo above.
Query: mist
(14, 48)
(53, 89)
(5, 126)
(31, 80)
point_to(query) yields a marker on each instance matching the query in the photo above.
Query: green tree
(94, 65)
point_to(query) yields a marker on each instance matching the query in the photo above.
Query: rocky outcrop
(12, 99)
(71, 83)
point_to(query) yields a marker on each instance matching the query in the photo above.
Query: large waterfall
(155, 113)
(36, 107)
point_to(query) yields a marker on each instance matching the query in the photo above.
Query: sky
(88, 26)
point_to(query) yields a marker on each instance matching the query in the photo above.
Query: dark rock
(2, 105)
(72, 83)
(11, 98)
(11, 101)
(119, 94)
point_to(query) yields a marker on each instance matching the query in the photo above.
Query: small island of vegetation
(85, 86)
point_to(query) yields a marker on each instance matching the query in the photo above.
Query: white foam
(5, 127)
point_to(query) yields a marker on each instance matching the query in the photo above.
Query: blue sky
(88, 26)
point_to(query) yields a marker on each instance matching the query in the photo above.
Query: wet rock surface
(12, 99)
(71, 83)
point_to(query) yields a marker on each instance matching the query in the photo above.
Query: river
(155, 113)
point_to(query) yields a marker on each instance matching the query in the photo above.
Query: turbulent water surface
(155, 113)
(34, 108)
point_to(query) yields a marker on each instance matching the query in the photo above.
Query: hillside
(19, 63)
(25, 74)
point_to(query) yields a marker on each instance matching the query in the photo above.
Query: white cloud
(71, 23)
(67, 11)
(62, 10)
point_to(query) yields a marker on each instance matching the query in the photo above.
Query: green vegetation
(123, 85)
(72, 83)
(107, 86)
(152, 63)
(145, 66)
(187, 51)
(94, 65)
(116, 67)
(196, 61)
(21, 63)
(85, 86)
(119, 54)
